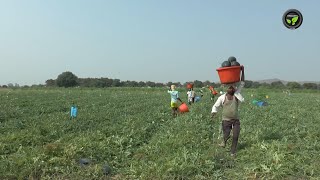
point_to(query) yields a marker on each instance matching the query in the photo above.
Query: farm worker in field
(213, 92)
(201, 93)
(191, 96)
(230, 116)
(174, 97)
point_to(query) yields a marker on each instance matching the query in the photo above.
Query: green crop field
(131, 130)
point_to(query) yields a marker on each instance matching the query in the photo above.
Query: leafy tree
(108, 82)
(67, 79)
(37, 85)
(116, 83)
(135, 83)
(151, 84)
(255, 85)
(265, 85)
(10, 85)
(99, 83)
(277, 84)
(142, 84)
(310, 86)
(160, 85)
(50, 82)
(80, 82)
(4, 86)
(248, 84)
(130, 84)
(86, 82)
(207, 83)
(177, 84)
(198, 83)
(125, 83)
(217, 85)
(293, 85)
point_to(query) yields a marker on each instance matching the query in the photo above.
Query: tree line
(68, 79)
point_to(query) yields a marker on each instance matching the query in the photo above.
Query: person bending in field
(191, 95)
(230, 115)
(174, 100)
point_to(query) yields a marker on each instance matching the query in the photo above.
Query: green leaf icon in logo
(288, 21)
(294, 20)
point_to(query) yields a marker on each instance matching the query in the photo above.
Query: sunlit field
(132, 131)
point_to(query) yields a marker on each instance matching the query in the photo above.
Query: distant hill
(269, 81)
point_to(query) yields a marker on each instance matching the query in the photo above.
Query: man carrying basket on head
(230, 116)
(230, 104)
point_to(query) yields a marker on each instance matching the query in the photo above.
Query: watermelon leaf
(295, 19)
(288, 21)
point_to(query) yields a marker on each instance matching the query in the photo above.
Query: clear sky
(156, 40)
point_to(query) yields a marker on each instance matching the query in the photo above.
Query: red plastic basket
(229, 75)
(183, 108)
(189, 86)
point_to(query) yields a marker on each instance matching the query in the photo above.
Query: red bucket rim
(231, 67)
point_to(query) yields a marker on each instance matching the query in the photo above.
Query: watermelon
(226, 64)
(232, 59)
(84, 161)
(106, 169)
(235, 63)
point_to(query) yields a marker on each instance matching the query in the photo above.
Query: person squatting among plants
(174, 100)
(191, 96)
(230, 115)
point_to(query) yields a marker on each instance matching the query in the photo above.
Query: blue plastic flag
(73, 111)
(262, 103)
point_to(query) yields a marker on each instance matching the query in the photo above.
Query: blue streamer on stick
(74, 112)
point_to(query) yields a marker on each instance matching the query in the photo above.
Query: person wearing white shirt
(191, 96)
(229, 102)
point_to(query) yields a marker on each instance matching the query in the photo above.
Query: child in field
(230, 116)
(174, 97)
(191, 96)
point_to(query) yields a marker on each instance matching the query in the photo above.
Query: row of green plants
(133, 132)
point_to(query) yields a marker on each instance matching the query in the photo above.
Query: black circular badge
(292, 19)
